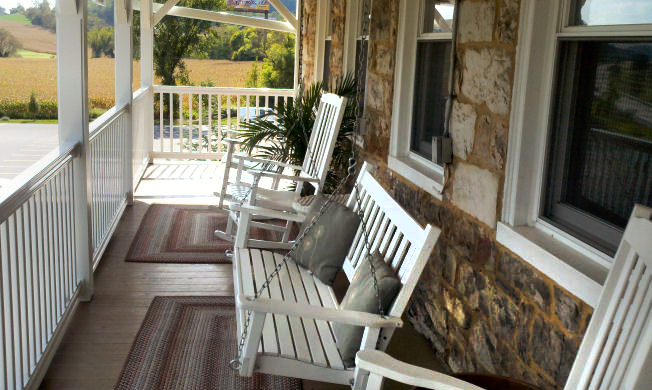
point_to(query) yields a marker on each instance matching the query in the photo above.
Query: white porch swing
(286, 315)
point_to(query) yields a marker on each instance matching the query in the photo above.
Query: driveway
(21, 145)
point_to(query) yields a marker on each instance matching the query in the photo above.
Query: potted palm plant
(283, 133)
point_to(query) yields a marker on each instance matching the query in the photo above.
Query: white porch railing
(109, 160)
(190, 122)
(39, 281)
(142, 128)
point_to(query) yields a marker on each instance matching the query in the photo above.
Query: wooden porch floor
(96, 344)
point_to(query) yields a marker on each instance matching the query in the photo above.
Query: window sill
(581, 273)
(427, 178)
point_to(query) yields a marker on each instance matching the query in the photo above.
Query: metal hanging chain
(236, 363)
(365, 22)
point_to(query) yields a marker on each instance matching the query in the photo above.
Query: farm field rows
(21, 76)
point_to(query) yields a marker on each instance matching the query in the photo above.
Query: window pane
(326, 73)
(438, 16)
(607, 12)
(430, 94)
(602, 146)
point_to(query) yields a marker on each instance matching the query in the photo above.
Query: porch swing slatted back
(323, 138)
(617, 344)
(392, 232)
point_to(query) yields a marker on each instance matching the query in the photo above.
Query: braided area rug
(186, 343)
(184, 234)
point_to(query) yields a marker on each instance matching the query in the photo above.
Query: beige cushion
(323, 249)
(361, 296)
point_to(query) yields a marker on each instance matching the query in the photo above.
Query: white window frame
(570, 262)
(421, 171)
(352, 33)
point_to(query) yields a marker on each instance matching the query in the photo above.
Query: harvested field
(33, 38)
(20, 76)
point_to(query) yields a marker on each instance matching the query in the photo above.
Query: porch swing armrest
(264, 212)
(267, 161)
(382, 364)
(350, 317)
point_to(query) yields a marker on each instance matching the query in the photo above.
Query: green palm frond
(283, 134)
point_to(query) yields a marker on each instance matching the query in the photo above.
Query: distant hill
(16, 18)
(32, 38)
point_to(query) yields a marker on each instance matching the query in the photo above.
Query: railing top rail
(224, 90)
(140, 93)
(28, 182)
(104, 120)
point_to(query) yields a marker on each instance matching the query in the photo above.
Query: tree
(2, 10)
(19, 9)
(42, 15)
(278, 65)
(8, 43)
(248, 44)
(253, 76)
(101, 42)
(176, 38)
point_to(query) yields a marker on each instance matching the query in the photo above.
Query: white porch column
(72, 94)
(123, 80)
(147, 66)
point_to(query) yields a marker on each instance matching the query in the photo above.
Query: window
(600, 157)
(421, 89)
(580, 139)
(356, 44)
(326, 73)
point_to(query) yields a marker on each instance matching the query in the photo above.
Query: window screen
(601, 144)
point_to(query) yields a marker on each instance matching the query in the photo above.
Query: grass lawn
(37, 121)
(33, 54)
(16, 18)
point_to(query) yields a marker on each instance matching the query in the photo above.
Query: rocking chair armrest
(267, 161)
(382, 364)
(350, 317)
(231, 140)
(264, 212)
(280, 176)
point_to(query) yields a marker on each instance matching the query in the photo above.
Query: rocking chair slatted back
(392, 232)
(617, 345)
(323, 138)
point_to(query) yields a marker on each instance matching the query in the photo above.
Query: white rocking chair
(616, 351)
(250, 203)
(289, 331)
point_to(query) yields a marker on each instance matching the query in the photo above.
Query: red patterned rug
(184, 234)
(186, 343)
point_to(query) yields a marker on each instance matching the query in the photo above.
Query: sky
(9, 4)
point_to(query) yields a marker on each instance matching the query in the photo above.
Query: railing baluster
(210, 123)
(5, 367)
(13, 299)
(160, 126)
(20, 290)
(8, 319)
(171, 135)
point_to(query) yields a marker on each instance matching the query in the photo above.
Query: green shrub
(8, 43)
(21, 110)
(32, 106)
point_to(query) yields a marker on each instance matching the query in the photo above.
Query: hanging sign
(249, 5)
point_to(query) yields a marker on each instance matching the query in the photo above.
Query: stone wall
(483, 308)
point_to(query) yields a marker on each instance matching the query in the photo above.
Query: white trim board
(566, 267)
(222, 17)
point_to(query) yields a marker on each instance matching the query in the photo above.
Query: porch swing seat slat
(307, 340)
